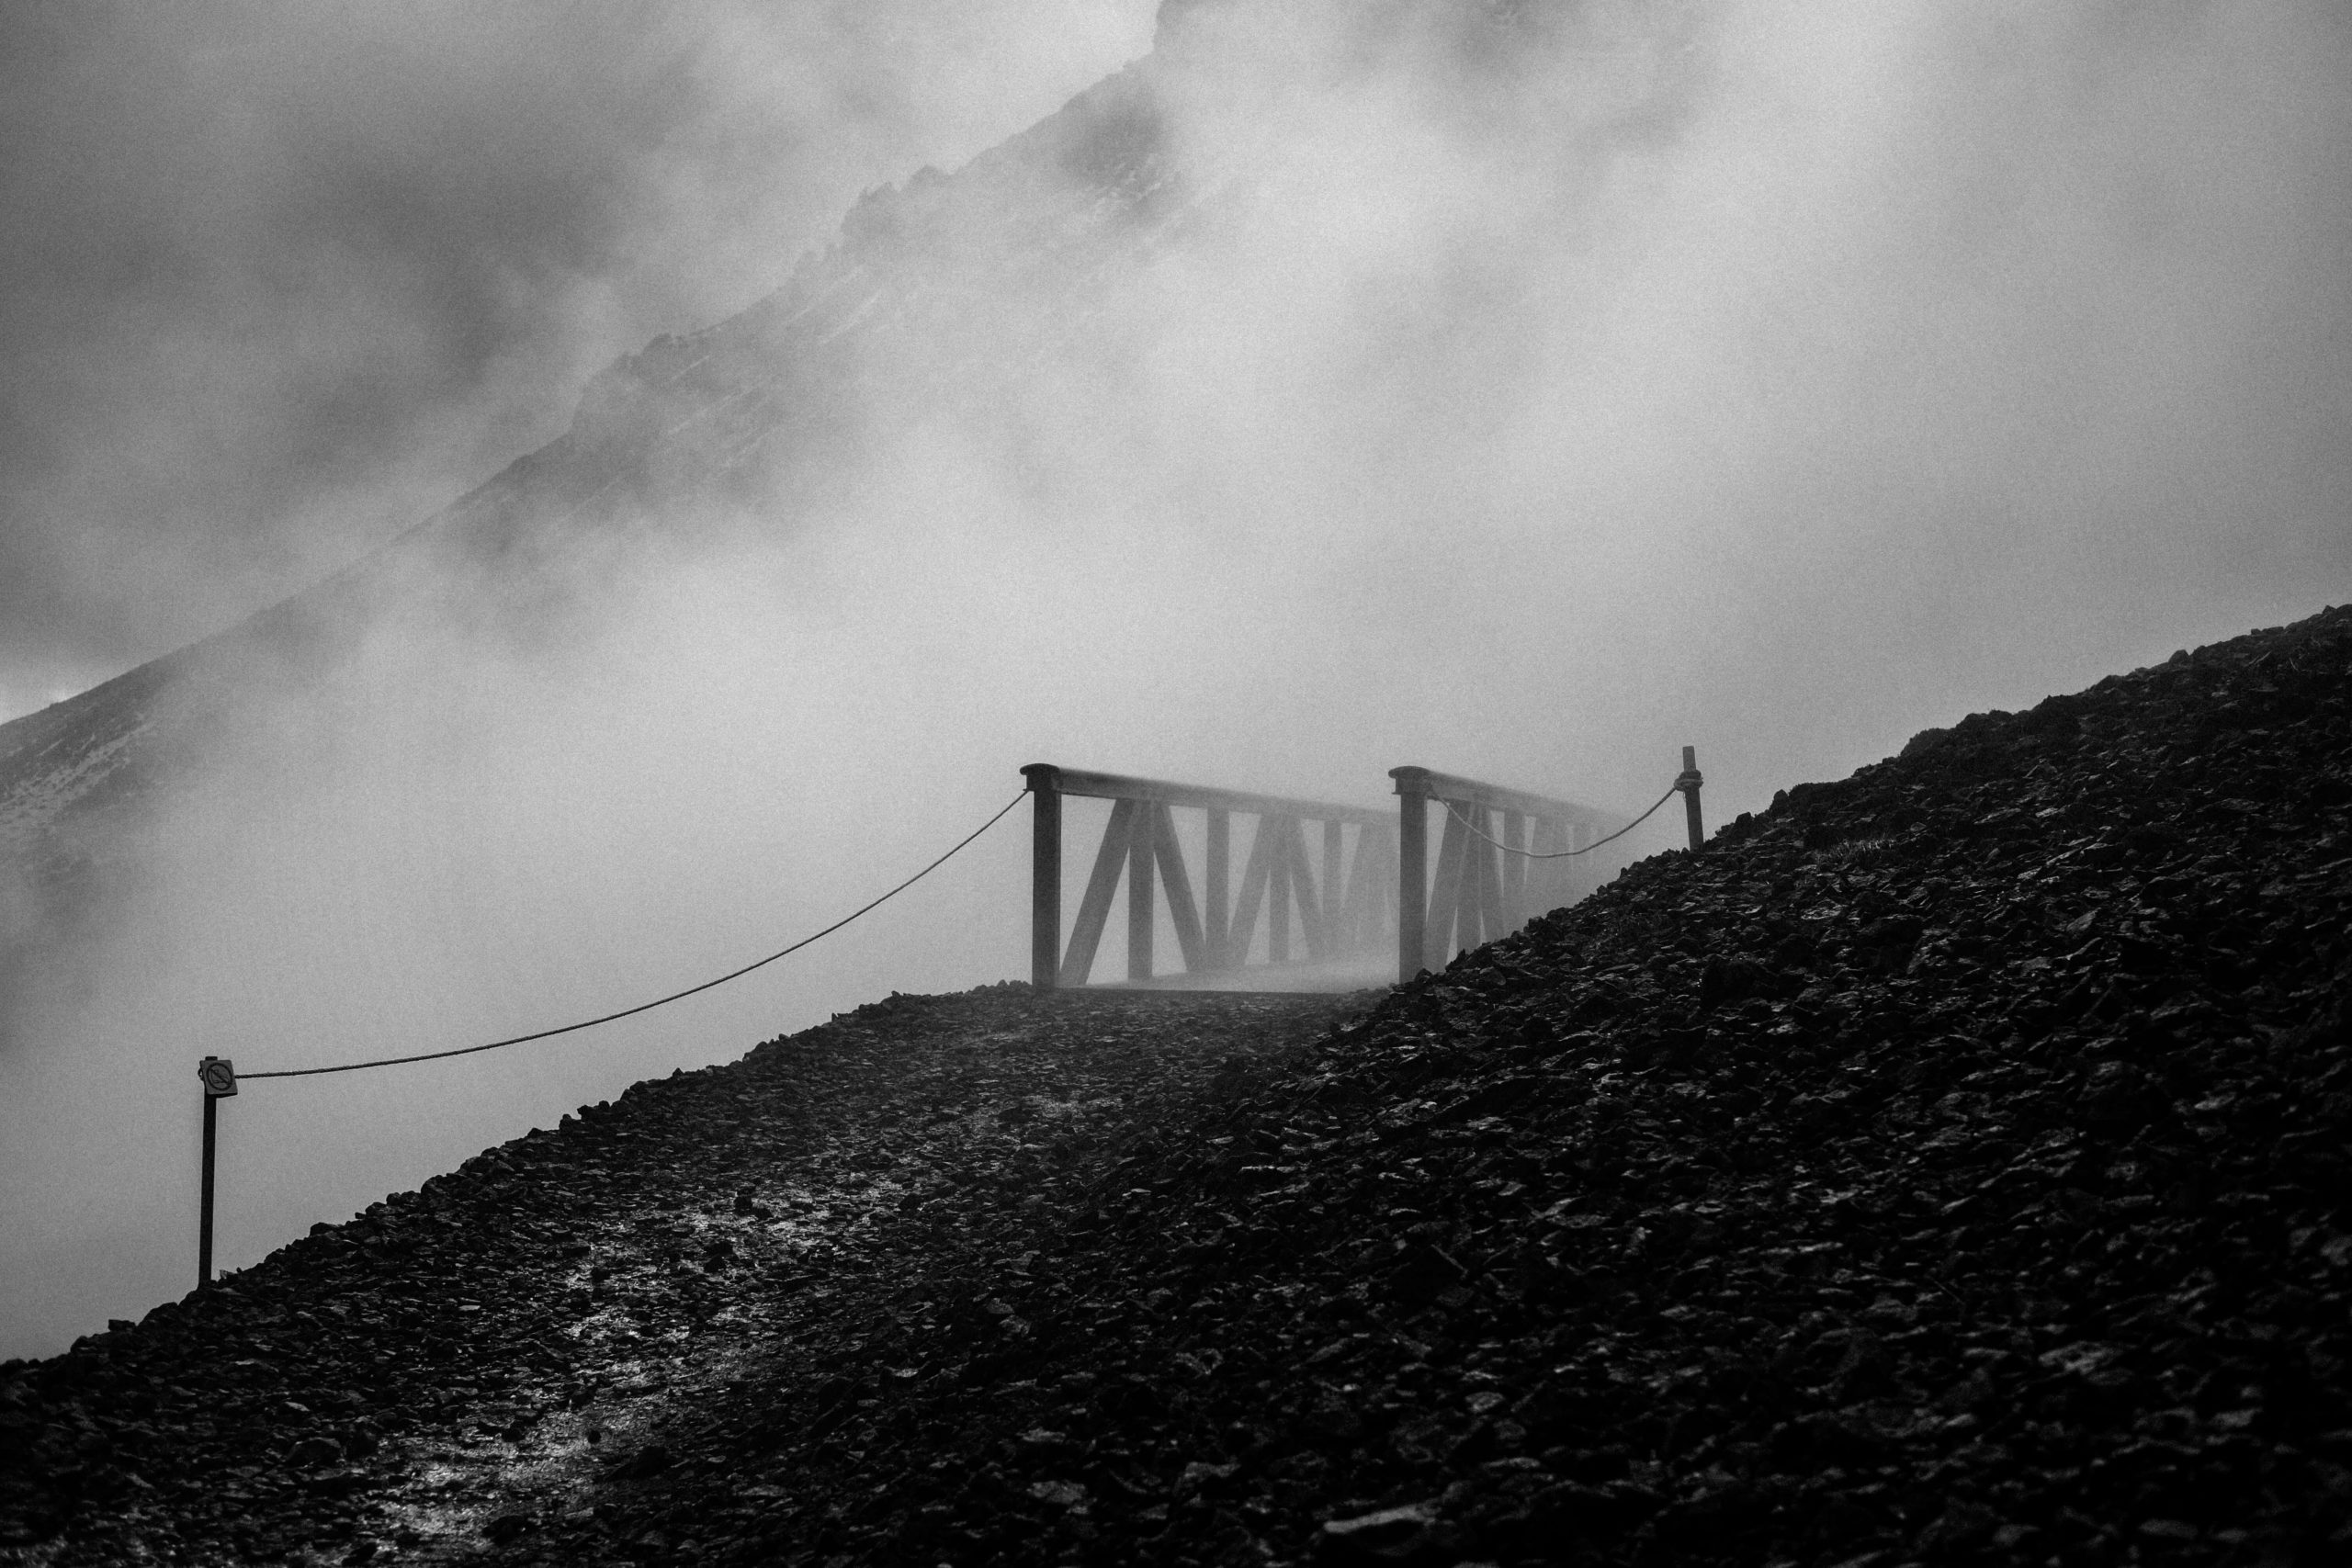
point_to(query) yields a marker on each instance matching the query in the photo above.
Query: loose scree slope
(1946, 1165)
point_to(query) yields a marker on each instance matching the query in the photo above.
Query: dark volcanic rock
(1947, 1166)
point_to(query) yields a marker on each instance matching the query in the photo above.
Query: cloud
(280, 280)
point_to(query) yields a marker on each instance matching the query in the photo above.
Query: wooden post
(1334, 880)
(1178, 883)
(1045, 875)
(1304, 892)
(1446, 897)
(1139, 907)
(204, 1222)
(1094, 907)
(1514, 888)
(1489, 879)
(1412, 874)
(1380, 888)
(1277, 832)
(1463, 916)
(1689, 785)
(1347, 915)
(1256, 871)
(1219, 911)
(1339, 896)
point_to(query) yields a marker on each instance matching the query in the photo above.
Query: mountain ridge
(753, 411)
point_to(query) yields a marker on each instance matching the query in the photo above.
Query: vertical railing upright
(1045, 875)
(1218, 933)
(1688, 783)
(1412, 877)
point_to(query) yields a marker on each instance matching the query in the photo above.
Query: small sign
(220, 1077)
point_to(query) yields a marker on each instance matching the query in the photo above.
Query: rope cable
(1564, 854)
(659, 1001)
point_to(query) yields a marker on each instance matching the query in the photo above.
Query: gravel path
(490, 1358)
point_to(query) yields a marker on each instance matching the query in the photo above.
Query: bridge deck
(1358, 971)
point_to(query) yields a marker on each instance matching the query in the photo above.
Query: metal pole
(204, 1223)
(1045, 875)
(1689, 785)
(1412, 872)
(218, 1076)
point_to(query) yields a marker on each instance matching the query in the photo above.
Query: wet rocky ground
(1948, 1166)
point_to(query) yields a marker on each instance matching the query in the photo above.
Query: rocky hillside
(1947, 1166)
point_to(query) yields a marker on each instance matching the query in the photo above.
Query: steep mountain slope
(1948, 1165)
(932, 297)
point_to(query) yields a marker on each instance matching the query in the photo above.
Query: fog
(277, 279)
(1524, 399)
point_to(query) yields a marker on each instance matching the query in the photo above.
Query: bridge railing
(1343, 905)
(1505, 855)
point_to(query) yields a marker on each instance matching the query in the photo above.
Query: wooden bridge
(1503, 857)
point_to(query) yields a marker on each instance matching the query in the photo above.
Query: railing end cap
(1411, 780)
(1041, 775)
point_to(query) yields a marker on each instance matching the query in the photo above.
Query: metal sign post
(220, 1080)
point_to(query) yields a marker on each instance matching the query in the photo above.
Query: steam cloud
(1520, 392)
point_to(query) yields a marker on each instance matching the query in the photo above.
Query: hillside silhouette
(1946, 1165)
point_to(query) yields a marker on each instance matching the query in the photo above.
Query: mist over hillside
(1521, 391)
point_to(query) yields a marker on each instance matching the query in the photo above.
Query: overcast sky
(278, 279)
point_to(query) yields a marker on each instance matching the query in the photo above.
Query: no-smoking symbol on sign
(220, 1077)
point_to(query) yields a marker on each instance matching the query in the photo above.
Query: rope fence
(1671, 790)
(220, 1077)
(659, 1001)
